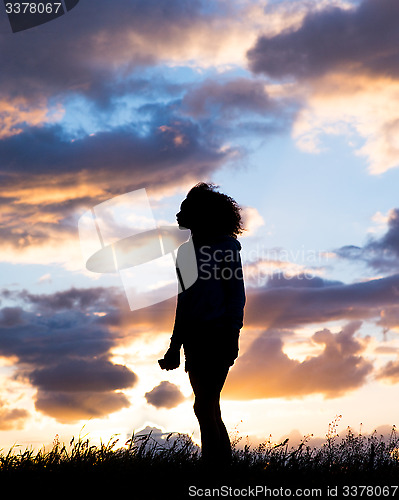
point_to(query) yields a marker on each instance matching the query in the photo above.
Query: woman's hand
(171, 360)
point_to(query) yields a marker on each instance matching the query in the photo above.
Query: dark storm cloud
(72, 407)
(80, 299)
(44, 150)
(238, 106)
(44, 340)
(77, 375)
(296, 302)
(302, 280)
(381, 254)
(165, 395)
(82, 51)
(229, 98)
(365, 39)
(11, 316)
(63, 349)
(265, 371)
(75, 302)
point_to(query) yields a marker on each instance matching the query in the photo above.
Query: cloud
(165, 395)
(380, 254)
(355, 106)
(13, 418)
(105, 307)
(233, 107)
(73, 299)
(61, 347)
(228, 98)
(125, 148)
(45, 278)
(72, 407)
(77, 375)
(363, 39)
(389, 319)
(290, 302)
(389, 372)
(342, 65)
(252, 220)
(265, 371)
(16, 114)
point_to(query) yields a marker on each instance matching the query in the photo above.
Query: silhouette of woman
(209, 314)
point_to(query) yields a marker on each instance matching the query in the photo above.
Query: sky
(289, 107)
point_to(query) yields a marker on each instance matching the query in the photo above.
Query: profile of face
(194, 215)
(186, 218)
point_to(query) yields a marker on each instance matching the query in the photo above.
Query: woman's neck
(205, 235)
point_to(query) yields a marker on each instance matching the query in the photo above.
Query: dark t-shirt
(209, 313)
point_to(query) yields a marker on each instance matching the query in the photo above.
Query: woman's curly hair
(218, 212)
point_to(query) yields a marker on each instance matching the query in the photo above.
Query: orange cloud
(390, 372)
(352, 104)
(164, 395)
(16, 113)
(12, 418)
(71, 407)
(344, 63)
(265, 371)
(71, 368)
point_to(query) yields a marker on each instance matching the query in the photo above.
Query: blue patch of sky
(311, 201)
(134, 98)
(47, 279)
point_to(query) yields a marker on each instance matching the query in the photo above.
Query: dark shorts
(210, 346)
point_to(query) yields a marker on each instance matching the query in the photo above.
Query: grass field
(144, 468)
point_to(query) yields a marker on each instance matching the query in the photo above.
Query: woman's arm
(171, 359)
(233, 284)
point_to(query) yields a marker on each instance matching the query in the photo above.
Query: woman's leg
(215, 440)
(224, 439)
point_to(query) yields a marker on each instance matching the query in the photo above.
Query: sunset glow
(290, 107)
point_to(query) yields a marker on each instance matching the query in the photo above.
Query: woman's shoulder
(223, 242)
(230, 242)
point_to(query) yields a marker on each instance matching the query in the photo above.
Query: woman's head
(207, 211)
